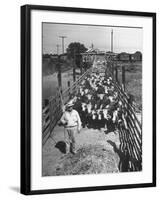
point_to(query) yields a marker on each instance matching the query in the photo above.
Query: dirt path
(94, 154)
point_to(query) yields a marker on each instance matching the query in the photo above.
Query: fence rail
(130, 136)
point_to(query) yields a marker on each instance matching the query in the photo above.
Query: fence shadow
(123, 165)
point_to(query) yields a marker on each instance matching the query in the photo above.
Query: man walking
(72, 124)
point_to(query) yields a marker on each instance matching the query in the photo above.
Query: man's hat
(69, 104)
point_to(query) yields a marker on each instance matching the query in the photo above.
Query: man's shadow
(61, 145)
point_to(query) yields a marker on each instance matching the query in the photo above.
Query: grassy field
(50, 82)
(49, 65)
(49, 75)
(133, 78)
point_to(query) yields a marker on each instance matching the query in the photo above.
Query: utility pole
(74, 66)
(123, 78)
(62, 37)
(57, 48)
(112, 40)
(59, 74)
(92, 46)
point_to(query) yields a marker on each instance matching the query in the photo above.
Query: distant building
(90, 54)
(54, 56)
(137, 56)
(110, 55)
(46, 56)
(63, 56)
(124, 56)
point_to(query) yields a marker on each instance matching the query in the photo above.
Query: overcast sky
(125, 39)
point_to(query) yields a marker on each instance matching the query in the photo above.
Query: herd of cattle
(98, 104)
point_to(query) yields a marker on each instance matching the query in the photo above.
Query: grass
(50, 82)
(50, 65)
(133, 78)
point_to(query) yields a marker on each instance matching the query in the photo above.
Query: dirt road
(94, 154)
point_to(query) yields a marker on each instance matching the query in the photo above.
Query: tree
(74, 51)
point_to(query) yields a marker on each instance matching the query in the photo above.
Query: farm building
(124, 56)
(54, 56)
(63, 56)
(111, 55)
(137, 56)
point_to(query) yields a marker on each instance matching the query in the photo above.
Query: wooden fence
(131, 134)
(52, 110)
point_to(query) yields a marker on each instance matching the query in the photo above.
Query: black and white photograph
(91, 99)
(88, 99)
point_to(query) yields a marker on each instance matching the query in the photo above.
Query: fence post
(69, 92)
(123, 78)
(81, 65)
(74, 74)
(50, 116)
(46, 136)
(74, 67)
(59, 99)
(112, 70)
(116, 74)
(46, 102)
(59, 73)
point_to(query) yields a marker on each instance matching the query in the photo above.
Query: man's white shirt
(72, 118)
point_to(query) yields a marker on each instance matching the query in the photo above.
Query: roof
(92, 50)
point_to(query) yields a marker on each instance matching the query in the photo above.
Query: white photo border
(88, 180)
